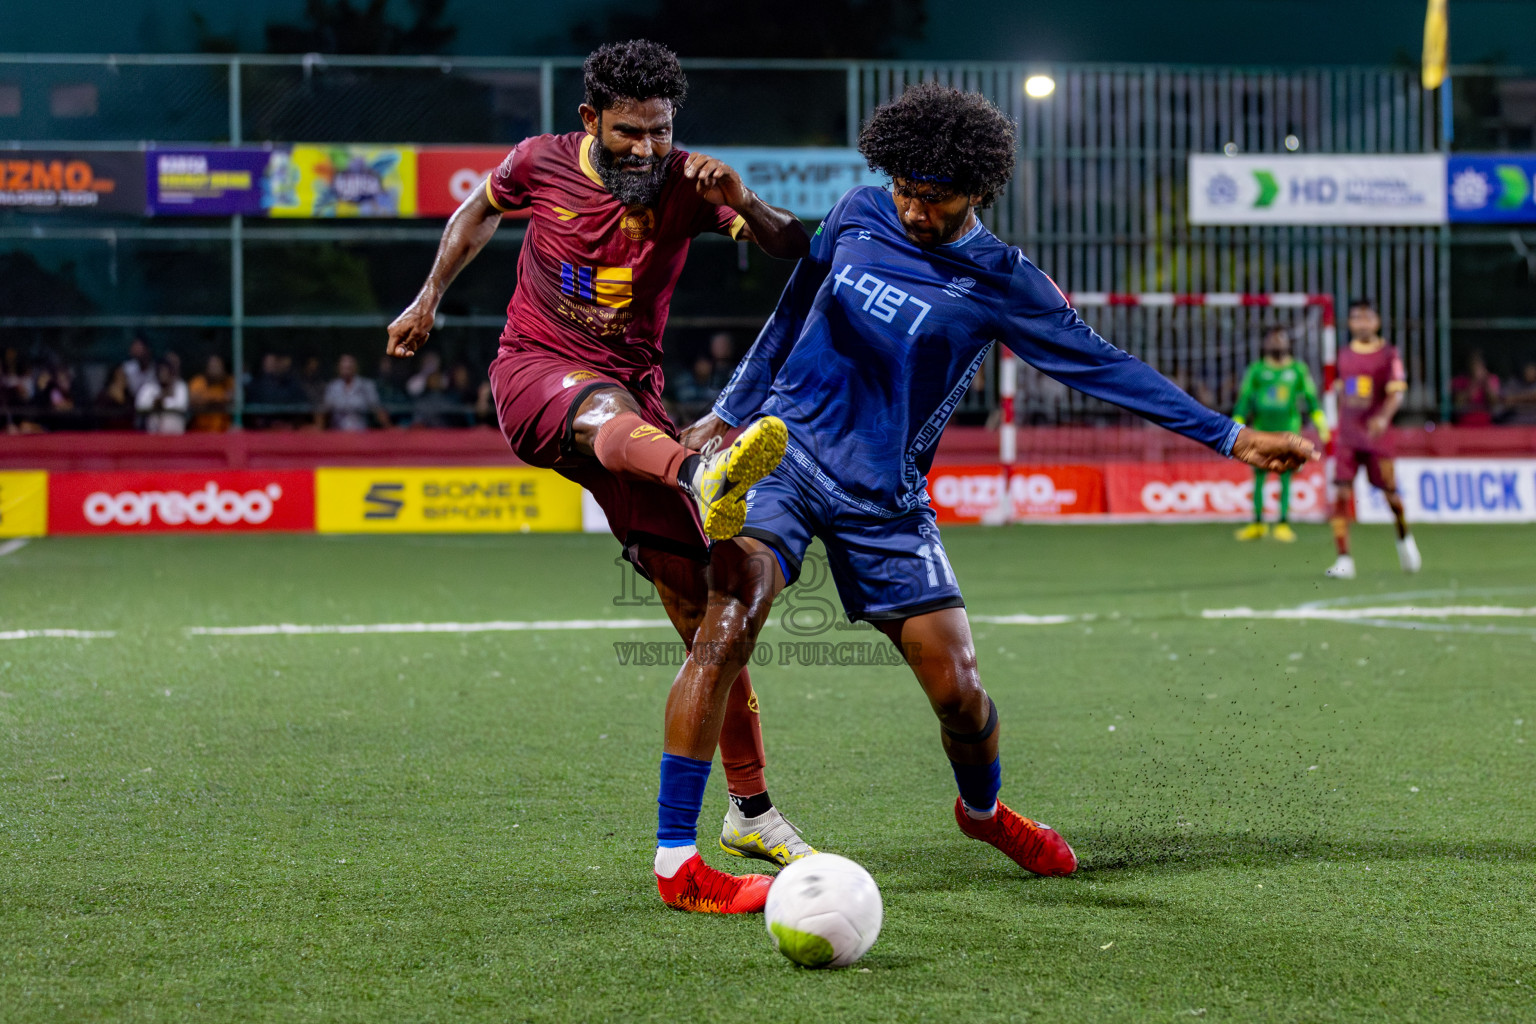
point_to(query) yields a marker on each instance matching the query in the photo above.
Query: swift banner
(448, 500)
(967, 494)
(1207, 490)
(1343, 189)
(1455, 491)
(23, 504)
(806, 182)
(150, 502)
(1492, 189)
(343, 181)
(206, 182)
(102, 182)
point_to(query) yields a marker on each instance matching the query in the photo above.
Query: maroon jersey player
(1370, 388)
(577, 379)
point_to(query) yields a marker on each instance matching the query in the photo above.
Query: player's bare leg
(609, 426)
(740, 595)
(1343, 567)
(1407, 548)
(938, 647)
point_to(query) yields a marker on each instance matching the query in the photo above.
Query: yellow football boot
(724, 476)
(1253, 531)
(769, 836)
(1284, 533)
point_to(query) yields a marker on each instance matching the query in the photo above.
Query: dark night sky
(1180, 31)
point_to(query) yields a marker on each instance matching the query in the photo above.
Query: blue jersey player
(875, 340)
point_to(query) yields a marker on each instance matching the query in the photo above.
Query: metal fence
(1098, 200)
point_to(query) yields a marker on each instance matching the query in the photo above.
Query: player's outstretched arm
(470, 227)
(1275, 452)
(777, 232)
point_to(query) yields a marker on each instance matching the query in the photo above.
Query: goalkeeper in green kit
(1268, 401)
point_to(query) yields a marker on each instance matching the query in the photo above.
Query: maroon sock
(628, 446)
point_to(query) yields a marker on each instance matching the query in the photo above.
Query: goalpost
(1232, 343)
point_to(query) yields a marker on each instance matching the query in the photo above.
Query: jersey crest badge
(638, 223)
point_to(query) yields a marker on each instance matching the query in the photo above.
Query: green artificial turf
(1277, 820)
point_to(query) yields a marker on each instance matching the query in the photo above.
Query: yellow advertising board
(342, 181)
(24, 504)
(451, 499)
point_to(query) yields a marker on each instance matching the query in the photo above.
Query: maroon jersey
(595, 276)
(1366, 377)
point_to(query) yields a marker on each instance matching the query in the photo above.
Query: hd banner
(1492, 189)
(1337, 189)
(1455, 491)
(807, 182)
(342, 181)
(446, 500)
(48, 179)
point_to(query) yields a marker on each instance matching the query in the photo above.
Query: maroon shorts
(1356, 452)
(537, 398)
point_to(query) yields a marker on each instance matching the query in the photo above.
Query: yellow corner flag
(1435, 35)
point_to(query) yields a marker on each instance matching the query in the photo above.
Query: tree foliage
(336, 26)
(838, 29)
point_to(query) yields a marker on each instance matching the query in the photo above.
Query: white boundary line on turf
(1407, 611)
(531, 626)
(57, 634)
(10, 547)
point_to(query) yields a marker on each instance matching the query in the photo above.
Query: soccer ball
(823, 911)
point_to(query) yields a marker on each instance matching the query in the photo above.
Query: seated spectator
(275, 398)
(416, 384)
(350, 400)
(1520, 398)
(114, 404)
(312, 380)
(211, 393)
(722, 352)
(391, 395)
(1475, 397)
(53, 395)
(435, 406)
(695, 392)
(140, 365)
(163, 402)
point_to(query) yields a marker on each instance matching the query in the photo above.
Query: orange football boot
(1032, 846)
(700, 888)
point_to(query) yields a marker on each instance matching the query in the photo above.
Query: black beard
(627, 187)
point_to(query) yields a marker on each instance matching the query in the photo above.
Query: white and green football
(823, 911)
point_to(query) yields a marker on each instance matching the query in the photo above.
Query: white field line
(1381, 612)
(1030, 620)
(57, 634)
(529, 626)
(10, 547)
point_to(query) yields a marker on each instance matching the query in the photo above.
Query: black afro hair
(934, 132)
(636, 70)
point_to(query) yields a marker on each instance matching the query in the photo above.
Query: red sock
(628, 446)
(741, 741)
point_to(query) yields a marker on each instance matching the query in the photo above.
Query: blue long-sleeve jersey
(875, 340)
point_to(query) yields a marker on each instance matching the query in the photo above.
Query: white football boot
(1408, 555)
(1343, 569)
(769, 836)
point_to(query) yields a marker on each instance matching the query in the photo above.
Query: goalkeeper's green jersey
(1268, 399)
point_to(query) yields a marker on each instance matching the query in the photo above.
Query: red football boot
(1033, 847)
(699, 887)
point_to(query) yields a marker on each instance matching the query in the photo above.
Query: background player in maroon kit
(1370, 384)
(578, 380)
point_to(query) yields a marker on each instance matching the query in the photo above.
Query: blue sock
(979, 783)
(681, 799)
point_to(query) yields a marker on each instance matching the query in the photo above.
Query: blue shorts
(884, 567)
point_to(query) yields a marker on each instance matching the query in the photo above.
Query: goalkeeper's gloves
(1321, 423)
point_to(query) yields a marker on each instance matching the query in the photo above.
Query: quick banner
(50, 179)
(1455, 491)
(1341, 189)
(1492, 189)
